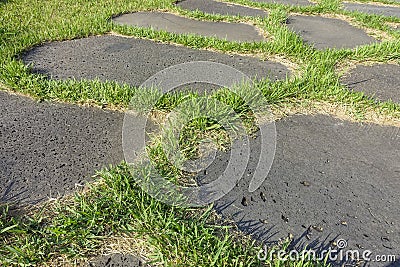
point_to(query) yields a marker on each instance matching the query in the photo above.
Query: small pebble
(343, 223)
(305, 183)
(286, 219)
(264, 221)
(318, 228)
(263, 198)
(244, 201)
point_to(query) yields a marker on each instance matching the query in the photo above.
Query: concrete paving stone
(339, 177)
(172, 23)
(328, 33)
(117, 260)
(132, 61)
(46, 149)
(216, 7)
(382, 81)
(287, 2)
(389, 11)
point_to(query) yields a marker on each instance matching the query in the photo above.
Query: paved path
(336, 175)
(318, 31)
(287, 2)
(132, 61)
(169, 22)
(216, 7)
(117, 260)
(328, 33)
(330, 178)
(381, 81)
(389, 11)
(46, 149)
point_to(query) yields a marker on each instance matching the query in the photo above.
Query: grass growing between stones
(115, 206)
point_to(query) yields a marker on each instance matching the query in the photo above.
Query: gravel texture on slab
(287, 2)
(382, 81)
(330, 180)
(389, 11)
(172, 23)
(47, 149)
(117, 260)
(132, 61)
(328, 33)
(216, 7)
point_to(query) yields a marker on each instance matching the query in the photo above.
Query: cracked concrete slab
(389, 11)
(287, 2)
(216, 7)
(132, 61)
(382, 81)
(172, 23)
(330, 179)
(328, 33)
(47, 149)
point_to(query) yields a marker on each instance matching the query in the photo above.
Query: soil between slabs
(172, 23)
(373, 9)
(215, 7)
(341, 177)
(132, 61)
(382, 81)
(328, 33)
(48, 148)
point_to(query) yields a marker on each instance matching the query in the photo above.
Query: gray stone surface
(130, 60)
(216, 7)
(172, 23)
(373, 9)
(117, 260)
(328, 33)
(341, 176)
(382, 81)
(48, 148)
(287, 2)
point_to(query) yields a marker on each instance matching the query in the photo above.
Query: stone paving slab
(373, 9)
(287, 2)
(216, 7)
(172, 23)
(48, 148)
(117, 260)
(132, 61)
(326, 173)
(328, 33)
(382, 81)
